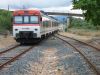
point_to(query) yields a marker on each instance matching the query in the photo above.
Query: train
(29, 26)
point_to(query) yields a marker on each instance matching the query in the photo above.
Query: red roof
(28, 12)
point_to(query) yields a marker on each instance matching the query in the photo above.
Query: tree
(91, 10)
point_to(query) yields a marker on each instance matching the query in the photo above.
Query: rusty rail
(81, 42)
(88, 61)
(9, 49)
(14, 58)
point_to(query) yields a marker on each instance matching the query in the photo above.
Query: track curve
(93, 66)
(81, 42)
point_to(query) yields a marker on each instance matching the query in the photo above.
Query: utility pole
(23, 7)
(8, 7)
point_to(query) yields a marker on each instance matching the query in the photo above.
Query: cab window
(34, 19)
(18, 19)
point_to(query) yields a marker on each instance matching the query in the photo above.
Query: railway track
(9, 49)
(93, 66)
(10, 55)
(98, 49)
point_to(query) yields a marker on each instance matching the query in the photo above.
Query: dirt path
(5, 42)
(95, 41)
(84, 38)
(49, 62)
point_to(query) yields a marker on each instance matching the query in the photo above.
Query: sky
(45, 5)
(17, 4)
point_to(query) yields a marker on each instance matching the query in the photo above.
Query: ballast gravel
(50, 57)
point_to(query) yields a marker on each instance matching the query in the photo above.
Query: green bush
(5, 20)
(82, 24)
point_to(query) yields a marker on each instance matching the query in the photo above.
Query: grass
(85, 32)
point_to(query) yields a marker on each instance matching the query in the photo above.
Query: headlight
(36, 29)
(16, 29)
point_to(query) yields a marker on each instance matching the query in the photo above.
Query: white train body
(32, 25)
(27, 28)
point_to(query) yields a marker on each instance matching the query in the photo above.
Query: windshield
(18, 19)
(26, 19)
(33, 19)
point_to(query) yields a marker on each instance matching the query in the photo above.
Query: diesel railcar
(31, 25)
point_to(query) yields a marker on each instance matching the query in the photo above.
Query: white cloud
(46, 5)
(34, 3)
(67, 9)
(58, 9)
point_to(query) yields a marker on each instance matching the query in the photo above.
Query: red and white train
(32, 25)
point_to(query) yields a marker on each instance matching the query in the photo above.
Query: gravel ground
(50, 57)
(95, 42)
(6, 42)
(72, 63)
(8, 55)
(89, 52)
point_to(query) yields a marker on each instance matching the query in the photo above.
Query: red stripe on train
(26, 25)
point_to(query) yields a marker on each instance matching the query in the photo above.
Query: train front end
(26, 26)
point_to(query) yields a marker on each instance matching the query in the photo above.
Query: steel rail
(87, 60)
(15, 58)
(81, 42)
(9, 49)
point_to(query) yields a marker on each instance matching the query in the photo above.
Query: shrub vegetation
(5, 20)
(83, 24)
(91, 10)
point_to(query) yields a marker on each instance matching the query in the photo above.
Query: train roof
(21, 12)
